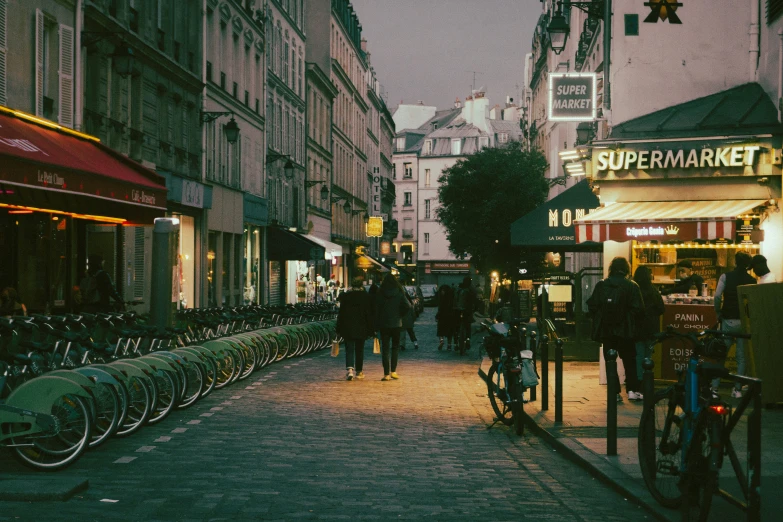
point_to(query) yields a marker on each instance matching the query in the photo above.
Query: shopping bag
(529, 373)
(376, 345)
(335, 348)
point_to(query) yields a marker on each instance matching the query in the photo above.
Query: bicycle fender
(199, 351)
(159, 364)
(114, 371)
(146, 370)
(39, 394)
(98, 375)
(80, 379)
(131, 370)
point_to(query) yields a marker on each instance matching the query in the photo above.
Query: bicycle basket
(716, 348)
(492, 346)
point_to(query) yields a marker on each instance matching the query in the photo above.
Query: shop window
(225, 273)
(211, 269)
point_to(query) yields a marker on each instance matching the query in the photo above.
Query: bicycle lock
(544, 344)
(559, 380)
(611, 402)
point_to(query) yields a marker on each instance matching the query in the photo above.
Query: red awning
(46, 167)
(664, 220)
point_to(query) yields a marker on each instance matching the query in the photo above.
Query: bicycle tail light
(719, 409)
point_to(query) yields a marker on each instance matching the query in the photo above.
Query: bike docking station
(750, 483)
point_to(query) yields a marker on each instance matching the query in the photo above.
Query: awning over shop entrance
(44, 166)
(664, 220)
(332, 250)
(367, 261)
(551, 225)
(284, 245)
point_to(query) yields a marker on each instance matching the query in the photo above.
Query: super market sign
(572, 96)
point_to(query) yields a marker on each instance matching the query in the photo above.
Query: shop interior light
(18, 209)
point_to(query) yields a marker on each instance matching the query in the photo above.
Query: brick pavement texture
(298, 442)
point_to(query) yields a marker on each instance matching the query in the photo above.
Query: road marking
(179, 430)
(227, 403)
(250, 387)
(216, 408)
(162, 439)
(124, 460)
(194, 422)
(235, 397)
(111, 500)
(145, 449)
(206, 415)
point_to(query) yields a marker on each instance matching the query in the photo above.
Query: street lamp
(123, 60)
(324, 189)
(231, 129)
(346, 207)
(558, 30)
(288, 168)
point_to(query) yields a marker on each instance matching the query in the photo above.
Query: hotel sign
(572, 96)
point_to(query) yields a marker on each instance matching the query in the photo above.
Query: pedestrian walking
(465, 303)
(651, 324)
(391, 306)
(355, 325)
(727, 307)
(407, 326)
(617, 309)
(97, 288)
(446, 317)
(760, 268)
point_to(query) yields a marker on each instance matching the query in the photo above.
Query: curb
(606, 473)
(40, 489)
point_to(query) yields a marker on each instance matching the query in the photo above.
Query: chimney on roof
(509, 100)
(364, 45)
(457, 104)
(421, 102)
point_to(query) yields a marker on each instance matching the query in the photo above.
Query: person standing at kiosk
(687, 279)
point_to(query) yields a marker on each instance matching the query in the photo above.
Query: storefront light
(18, 209)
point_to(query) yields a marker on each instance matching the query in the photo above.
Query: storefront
(698, 187)
(188, 200)
(256, 217)
(64, 195)
(292, 258)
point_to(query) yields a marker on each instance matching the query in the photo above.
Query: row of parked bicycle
(69, 383)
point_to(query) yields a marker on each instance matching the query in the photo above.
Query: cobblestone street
(297, 441)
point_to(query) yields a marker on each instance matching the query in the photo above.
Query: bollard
(533, 348)
(648, 383)
(544, 344)
(559, 380)
(611, 402)
(165, 237)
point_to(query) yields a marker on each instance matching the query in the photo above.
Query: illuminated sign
(735, 156)
(375, 226)
(572, 96)
(375, 203)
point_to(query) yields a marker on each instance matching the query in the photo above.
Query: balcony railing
(407, 234)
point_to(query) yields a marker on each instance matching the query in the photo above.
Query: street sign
(375, 226)
(572, 96)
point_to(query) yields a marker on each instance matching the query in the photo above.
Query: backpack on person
(89, 289)
(613, 302)
(462, 299)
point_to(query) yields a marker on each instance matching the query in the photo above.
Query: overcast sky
(427, 49)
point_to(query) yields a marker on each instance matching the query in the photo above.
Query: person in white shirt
(761, 270)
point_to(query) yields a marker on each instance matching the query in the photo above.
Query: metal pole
(162, 268)
(544, 372)
(754, 456)
(648, 383)
(559, 380)
(533, 336)
(607, 55)
(611, 402)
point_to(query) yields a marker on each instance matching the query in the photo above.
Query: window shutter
(66, 76)
(3, 51)
(39, 62)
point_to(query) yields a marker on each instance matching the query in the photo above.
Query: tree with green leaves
(482, 194)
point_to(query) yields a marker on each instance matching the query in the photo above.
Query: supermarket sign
(572, 96)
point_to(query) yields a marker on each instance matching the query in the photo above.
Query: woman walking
(651, 324)
(390, 307)
(355, 324)
(407, 326)
(446, 316)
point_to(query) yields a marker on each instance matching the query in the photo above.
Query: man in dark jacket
(390, 307)
(465, 303)
(728, 309)
(617, 308)
(355, 324)
(97, 288)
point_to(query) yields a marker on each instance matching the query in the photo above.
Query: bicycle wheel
(168, 396)
(659, 447)
(107, 413)
(497, 388)
(139, 406)
(57, 450)
(699, 483)
(194, 383)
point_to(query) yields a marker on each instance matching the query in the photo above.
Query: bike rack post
(544, 344)
(648, 382)
(611, 402)
(559, 380)
(754, 455)
(533, 338)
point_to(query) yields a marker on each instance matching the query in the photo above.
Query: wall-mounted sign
(447, 266)
(385, 247)
(375, 226)
(663, 10)
(715, 157)
(572, 96)
(375, 203)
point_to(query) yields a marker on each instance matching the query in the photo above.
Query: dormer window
(427, 147)
(503, 137)
(483, 142)
(400, 143)
(456, 147)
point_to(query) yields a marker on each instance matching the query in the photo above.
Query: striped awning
(664, 220)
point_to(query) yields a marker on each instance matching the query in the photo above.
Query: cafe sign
(572, 96)
(375, 226)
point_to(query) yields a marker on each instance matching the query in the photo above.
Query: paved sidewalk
(582, 436)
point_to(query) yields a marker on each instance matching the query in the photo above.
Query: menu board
(525, 304)
(686, 318)
(706, 268)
